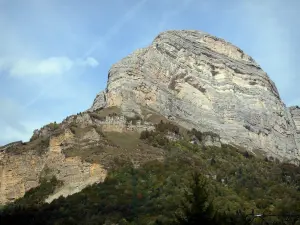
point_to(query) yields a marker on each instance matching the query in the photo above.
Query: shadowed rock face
(206, 83)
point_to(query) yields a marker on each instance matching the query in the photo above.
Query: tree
(145, 134)
(196, 207)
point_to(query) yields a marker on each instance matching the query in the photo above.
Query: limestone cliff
(295, 112)
(203, 82)
(22, 170)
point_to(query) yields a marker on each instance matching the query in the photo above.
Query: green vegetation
(134, 119)
(97, 116)
(36, 196)
(192, 185)
(201, 135)
(196, 207)
(155, 138)
(53, 126)
(165, 127)
(109, 111)
(103, 113)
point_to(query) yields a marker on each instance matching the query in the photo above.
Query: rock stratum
(189, 78)
(203, 82)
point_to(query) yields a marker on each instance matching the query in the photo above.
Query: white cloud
(54, 65)
(91, 62)
(48, 66)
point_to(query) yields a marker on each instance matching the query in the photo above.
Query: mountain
(191, 85)
(203, 82)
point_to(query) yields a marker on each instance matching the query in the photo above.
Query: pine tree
(196, 207)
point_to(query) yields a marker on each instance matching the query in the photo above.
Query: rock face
(20, 172)
(295, 111)
(75, 151)
(99, 102)
(204, 82)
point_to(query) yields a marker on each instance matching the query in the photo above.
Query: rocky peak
(193, 38)
(207, 83)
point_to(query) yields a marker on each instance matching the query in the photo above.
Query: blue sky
(55, 54)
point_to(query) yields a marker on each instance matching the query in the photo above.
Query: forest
(194, 184)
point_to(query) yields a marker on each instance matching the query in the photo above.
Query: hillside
(151, 193)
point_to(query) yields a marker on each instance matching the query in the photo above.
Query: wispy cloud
(115, 29)
(50, 66)
(168, 15)
(60, 65)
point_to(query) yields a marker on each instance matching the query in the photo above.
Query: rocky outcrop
(23, 164)
(99, 102)
(12, 144)
(23, 171)
(204, 82)
(295, 112)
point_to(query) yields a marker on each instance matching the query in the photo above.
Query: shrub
(97, 116)
(197, 134)
(134, 119)
(247, 155)
(213, 161)
(53, 126)
(156, 139)
(145, 134)
(164, 127)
